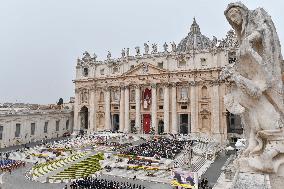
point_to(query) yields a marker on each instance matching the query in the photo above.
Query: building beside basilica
(175, 90)
(24, 125)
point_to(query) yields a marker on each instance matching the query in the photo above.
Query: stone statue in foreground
(257, 94)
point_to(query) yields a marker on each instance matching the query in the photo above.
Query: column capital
(173, 84)
(167, 84)
(137, 86)
(93, 88)
(106, 88)
(214, 82)
(154, 85)
(192, 83)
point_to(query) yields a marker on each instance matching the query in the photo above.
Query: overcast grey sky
(40, 40)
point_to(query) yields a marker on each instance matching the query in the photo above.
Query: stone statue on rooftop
(214, 41)
(258, 91)
(127, 52)
(86, 56)
(108, 55)
(137, 51)
(174, 46)
(165, 47)
(123, 53)
(154, 48)
(146, 47)
(95, 57)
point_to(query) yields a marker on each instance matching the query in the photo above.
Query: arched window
(101, 96)
(204, 92)
(161, 94)
(85, 72)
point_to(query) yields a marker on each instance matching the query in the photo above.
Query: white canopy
(229, 148)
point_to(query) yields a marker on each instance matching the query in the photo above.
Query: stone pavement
(17, 180)
(214, 171)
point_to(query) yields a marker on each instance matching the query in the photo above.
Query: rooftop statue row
(125, 52)
(194, 41)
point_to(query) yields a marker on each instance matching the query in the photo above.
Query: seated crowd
(95, 183)
(140, 162)
(9, 165)
(160, 147)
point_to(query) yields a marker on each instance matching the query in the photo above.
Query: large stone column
(126, 107)
(154, 107)
(174, 109)
(166, 109)
(137, 109)
(215, 112)
(76, 111)
(107, 109)
(92, 111)
(193, 107)
(121, 109)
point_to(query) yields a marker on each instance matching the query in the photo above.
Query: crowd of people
(140, 162)
(96, 183)
(159, 147)
(7, 165)
(204, 184)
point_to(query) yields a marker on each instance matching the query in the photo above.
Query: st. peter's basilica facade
(176, 90)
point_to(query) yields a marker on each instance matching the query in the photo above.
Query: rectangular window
(102, 71)
(57, 125)
(182, 63)
(45, 127)
(183, 107)
(160, 64)
(203, 61)
(115, 70)
(32, 128)
(1, 132)
(67, 124)
(132, 107)
(18, 130)
(161, 107)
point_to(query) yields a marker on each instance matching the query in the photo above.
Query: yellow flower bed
(143, 167)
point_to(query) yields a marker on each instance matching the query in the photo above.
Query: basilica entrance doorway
(115, 122)
(84, 115)
(183, 124)
(146, 123)
(161, 127)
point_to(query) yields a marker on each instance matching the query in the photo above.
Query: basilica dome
(194, 40)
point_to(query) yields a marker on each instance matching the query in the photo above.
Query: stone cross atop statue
(257, 95)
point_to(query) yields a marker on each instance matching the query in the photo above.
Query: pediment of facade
(144, 69)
